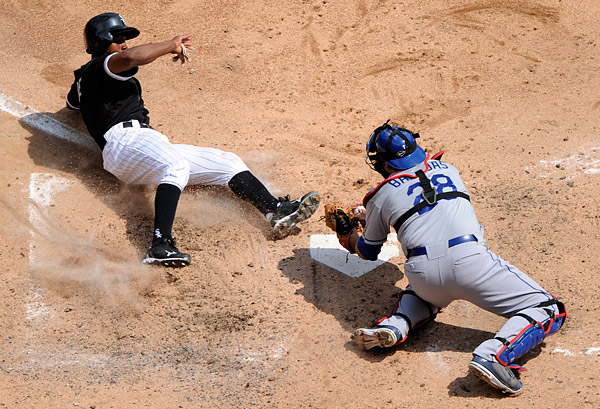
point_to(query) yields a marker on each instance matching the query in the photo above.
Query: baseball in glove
(343, 222)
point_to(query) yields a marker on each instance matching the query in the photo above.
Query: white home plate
(326, 249)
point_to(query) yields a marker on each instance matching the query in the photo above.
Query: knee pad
(533, 334)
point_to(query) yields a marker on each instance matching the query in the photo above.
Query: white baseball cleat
(368, 338)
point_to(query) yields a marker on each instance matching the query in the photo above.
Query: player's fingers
(184, 54)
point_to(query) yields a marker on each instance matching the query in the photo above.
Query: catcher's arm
(349, 241)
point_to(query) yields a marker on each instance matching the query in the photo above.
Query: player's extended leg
(410, 312)
(283, 214)
(209, 166)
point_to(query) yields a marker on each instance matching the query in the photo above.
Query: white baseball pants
(143, 156)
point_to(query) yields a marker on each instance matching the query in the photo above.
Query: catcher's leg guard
(410, 312)
(393, 330)
(415, 310)
(533, 334)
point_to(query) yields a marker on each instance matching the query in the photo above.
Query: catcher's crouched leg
(533, 333)
(526, 330)
(393, 330)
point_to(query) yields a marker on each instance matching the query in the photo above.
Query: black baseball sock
(165, 206)
(246, 186)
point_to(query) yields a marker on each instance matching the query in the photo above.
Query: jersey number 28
(439, 182)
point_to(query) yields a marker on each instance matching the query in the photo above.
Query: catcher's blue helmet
(100, 31)
(395, 146)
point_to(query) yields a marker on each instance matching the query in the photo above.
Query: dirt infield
(508, 89)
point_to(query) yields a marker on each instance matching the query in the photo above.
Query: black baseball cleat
(496, 375)
(167, 255)
(289, 213)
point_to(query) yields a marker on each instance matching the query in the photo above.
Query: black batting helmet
(100, 31)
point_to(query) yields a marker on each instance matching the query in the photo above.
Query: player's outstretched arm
(146, 53)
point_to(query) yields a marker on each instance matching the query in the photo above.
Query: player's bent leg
(541, 322)
(494, 359)
(410, 312)
(163, 250)
(523, 332)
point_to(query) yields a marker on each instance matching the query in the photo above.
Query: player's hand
(184, 40)
(349, 241)
(359, 211)
(182, 48)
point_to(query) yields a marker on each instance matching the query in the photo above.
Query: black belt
(419, 251)
(129, 124)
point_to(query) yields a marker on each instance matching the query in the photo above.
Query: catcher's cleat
(496, 375)
(381, 336)
(167, 254)
(289, 213)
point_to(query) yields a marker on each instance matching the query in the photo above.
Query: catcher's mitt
(343, 221)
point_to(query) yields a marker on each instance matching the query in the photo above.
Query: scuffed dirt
(506, 88)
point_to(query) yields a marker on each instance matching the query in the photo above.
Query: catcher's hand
(343, 222)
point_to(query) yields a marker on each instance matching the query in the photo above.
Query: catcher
(109, 99)
(426, 202)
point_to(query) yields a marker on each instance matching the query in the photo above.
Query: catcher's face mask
(395, 146)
